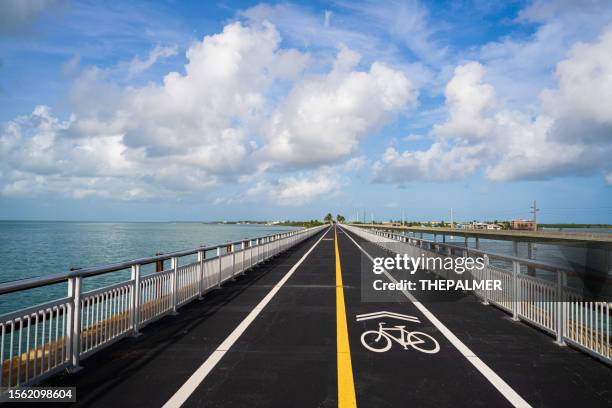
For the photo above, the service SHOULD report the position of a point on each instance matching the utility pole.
(452, 223)
(535, 210)
(402, 218)
(372, 217)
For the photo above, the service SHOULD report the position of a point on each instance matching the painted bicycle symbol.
(381, 340)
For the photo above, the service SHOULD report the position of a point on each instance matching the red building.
(522, 225)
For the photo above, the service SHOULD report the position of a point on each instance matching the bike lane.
(541, 372)
(401, 377)
(287, 356)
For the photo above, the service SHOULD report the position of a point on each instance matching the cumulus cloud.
(520, 66)
(468, 100)
(291, 190)
(40, 156)
(569, 135)
(324, 118)
(297, 190)
(438, 163)
(244, 106)
(180, 135)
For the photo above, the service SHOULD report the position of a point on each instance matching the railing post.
(74, 291)
(135, 300)
(219, 262)
(560, 308)
(257, 241)
(201, 258)
(252, 254)
(464, 254)
(516, 270)
(244, 248)
(485, 298)
(174, 265)
(232, 248)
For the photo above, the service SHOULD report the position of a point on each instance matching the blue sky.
(197, 110)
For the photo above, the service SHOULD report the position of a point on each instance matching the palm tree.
(328, 218)
(340, 218)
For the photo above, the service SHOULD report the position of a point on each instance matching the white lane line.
(196, 378)
(512, 396)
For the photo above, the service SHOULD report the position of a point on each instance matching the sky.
(189, 110)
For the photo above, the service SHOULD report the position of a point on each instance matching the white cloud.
(585, 82)
(324, 117)
(297, 190)
(438, 163)
(182, 135)
(137, 65)
(519, 66)
(355, 164)
(243, 107)
(468, 100)
(571, 133)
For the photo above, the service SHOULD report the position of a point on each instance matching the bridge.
(284, 321)
(508, 235)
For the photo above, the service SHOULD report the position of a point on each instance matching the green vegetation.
(305, 224)
(328, 218)
(340, 218)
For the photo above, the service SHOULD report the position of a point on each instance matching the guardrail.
(39, 341)
(550, 305)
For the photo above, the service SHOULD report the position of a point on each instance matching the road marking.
(346, 385)
(381, 340)
(512, 396)
(378, 315)
(200, 374)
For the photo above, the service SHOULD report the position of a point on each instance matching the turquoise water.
(36, 248)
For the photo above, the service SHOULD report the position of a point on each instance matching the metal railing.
(41, 340)
(550, 305)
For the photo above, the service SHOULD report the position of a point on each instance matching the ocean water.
(35, 248)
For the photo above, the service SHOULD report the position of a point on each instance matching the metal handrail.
(492, 255)
(30, 283)
(44, 339)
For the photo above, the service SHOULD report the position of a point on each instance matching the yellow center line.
(346, 386)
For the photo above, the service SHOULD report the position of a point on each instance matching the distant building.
(522, 225)
(479, 225)
(476, 225)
